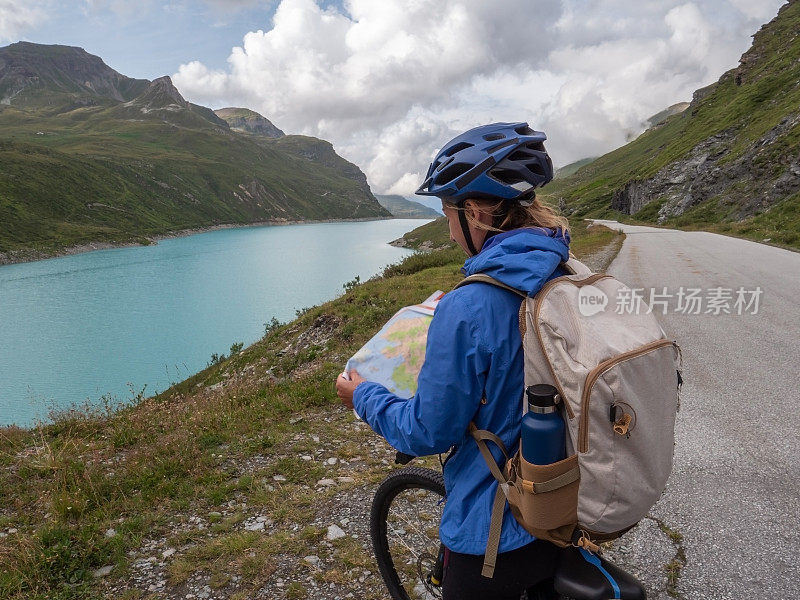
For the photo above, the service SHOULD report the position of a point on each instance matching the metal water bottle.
(543, 434)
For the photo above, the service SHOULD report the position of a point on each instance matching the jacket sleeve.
(450, 387)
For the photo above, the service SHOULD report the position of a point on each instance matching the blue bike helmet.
(501, 161)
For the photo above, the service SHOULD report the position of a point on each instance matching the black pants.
(515, 572)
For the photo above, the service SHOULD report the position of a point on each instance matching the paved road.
(734, 494)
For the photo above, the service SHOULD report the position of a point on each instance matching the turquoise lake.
(77, 328)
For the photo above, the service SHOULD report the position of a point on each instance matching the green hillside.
(661, 117)
(138, 160)
(572, 168)
(168, 492)
(729, 163)
(404, 208)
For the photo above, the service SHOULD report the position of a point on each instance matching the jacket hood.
(523, 258)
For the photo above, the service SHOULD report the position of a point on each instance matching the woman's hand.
(345, 387)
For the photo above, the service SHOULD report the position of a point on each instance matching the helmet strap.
(462, 219)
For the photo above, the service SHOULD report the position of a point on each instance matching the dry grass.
(110, 487)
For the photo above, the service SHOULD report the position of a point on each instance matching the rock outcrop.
(749, 184)
(161, 93)
(65, 74)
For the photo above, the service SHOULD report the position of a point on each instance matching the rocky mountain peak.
(249, 121)
(30, 71)
(161, 93)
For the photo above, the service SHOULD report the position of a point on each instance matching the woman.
(473, 369)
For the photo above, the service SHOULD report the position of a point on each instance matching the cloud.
(388, 82)
(757, 11)
(621, 78)
(19, 16)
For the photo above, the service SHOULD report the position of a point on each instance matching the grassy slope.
(434, 233)
(209, 449)
(96, 175)
(770, 92)
(572, 168)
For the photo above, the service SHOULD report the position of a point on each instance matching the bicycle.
(404, 527)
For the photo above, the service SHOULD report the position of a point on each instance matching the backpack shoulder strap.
(572, 266)
(483, 278)
(481, 436)
(575, 267)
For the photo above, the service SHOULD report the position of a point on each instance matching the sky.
(388, 82)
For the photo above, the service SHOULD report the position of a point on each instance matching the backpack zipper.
(591, 378)
(537, 307)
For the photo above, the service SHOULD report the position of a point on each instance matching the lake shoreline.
(14, 257)
(82, 329)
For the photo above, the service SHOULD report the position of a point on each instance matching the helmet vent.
(490, 137)
(535, 167)
(524, 130)
(506, 176)
(452, 172)
(444, 163)
(520, 155)
(458, 148)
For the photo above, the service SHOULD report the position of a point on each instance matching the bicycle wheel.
(404, 525)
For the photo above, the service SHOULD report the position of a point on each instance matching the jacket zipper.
(591, 378)
(537, 307)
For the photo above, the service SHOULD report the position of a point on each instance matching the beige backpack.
(618, 378)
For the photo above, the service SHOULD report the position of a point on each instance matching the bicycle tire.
(425, 487)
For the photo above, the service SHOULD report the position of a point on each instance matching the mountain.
(404, 208)
(60, 77)
(161, 99)
(431, 202)
(661, 117)
(730, 162)
(320, 152)
(89, 155)
(248, 121)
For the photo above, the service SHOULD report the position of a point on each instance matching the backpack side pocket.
(544, 498)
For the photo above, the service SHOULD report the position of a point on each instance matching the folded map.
(394, 356)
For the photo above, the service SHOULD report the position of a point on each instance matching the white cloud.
(757, 11)
(387, 82)
(19, 16)
(620, 79)
(402, 144)
(213, 83)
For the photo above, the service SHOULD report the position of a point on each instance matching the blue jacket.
(473, 350)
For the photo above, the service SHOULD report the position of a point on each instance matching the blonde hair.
(512, 215)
